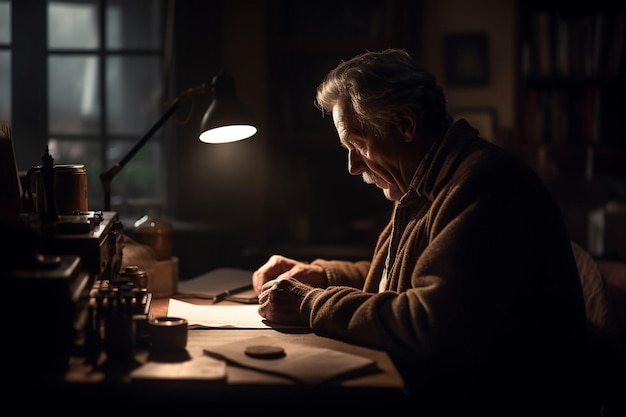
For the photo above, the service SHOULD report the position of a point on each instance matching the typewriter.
(63, 296)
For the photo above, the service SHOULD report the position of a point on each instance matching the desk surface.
(387, 378)
(244, 387)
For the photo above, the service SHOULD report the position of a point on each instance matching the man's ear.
(407, 126)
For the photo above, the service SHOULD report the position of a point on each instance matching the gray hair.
(377, 88)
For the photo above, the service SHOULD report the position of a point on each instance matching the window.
(105, 89)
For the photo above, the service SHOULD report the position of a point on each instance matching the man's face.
(380, 161)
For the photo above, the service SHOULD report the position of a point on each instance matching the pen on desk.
(219, 297)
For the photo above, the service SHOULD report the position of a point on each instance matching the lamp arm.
(107, 176)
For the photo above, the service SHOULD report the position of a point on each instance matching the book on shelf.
(562, 44)
(564, 117)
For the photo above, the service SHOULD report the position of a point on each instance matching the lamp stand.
(107, 176)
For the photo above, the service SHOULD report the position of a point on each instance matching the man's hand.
(280, 300)
(277, 265)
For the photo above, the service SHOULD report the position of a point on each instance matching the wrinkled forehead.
(337, 113)
(339, 119)
(342, 122)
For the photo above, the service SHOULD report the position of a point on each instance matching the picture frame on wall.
(466, 57)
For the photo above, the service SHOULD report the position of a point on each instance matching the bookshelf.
(571, 93)
(571, 83)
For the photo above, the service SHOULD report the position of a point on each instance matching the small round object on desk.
(265, 351)
(133, 274)
(168, 333)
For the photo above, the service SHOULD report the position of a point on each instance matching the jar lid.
(70, 167)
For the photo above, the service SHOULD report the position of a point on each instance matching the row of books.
(581, 116)
(562, 44)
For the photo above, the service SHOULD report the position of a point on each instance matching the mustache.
(369, 177)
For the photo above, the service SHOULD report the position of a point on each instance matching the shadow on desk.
(107, 389)
(159, 397)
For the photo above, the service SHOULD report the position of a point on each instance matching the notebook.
(304, 364)
(238, 282)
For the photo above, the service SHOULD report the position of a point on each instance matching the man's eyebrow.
(345, 142)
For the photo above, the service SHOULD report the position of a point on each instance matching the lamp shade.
(226, 119)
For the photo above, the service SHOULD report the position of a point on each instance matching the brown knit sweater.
(483, 299)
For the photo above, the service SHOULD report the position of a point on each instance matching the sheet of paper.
(241, 316)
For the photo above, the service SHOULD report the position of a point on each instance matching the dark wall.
(218, 192)
(210, 183)
(274, 190)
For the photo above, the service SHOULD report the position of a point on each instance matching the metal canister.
(135, 275)
(71, 189)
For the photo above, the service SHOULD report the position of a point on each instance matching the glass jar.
(156, 232)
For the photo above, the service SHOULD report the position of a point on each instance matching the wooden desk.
(245, 390)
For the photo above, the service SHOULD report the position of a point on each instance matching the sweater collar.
(442, 153)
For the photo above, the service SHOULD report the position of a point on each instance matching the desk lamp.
(226, 120)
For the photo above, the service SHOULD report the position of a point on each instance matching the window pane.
(71, 151)
(73, 94)
(73, 24)
(133, 94)
(133, 24)
(5, 85)
(5, 21)
(142, 177)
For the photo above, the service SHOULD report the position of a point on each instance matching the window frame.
(29, 99)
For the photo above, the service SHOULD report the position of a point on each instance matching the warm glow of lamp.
(226, 134)
(226, 120)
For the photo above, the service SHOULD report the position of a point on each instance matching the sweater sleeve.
(338, 274)
(351, 274)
